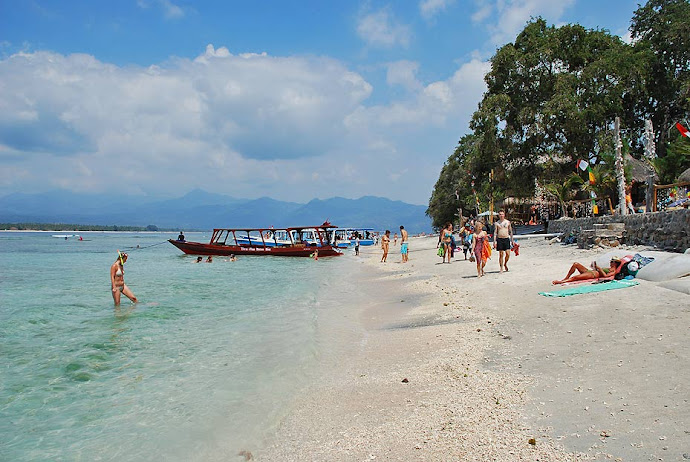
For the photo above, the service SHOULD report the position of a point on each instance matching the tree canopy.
(552, 96)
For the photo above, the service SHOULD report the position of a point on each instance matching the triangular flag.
(683, 131)
(583, 164)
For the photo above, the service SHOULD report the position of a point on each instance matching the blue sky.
(292, 100)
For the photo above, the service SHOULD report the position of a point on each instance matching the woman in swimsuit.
(595, 272)
(447, 238)
(478, 239)
(117, 280)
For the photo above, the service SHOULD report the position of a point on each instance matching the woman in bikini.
(117, 279)
(447, 238)
(478, 239)
(585, 273)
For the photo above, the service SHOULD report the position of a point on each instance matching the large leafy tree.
(551, 99)
(550, 94)
(661, 31)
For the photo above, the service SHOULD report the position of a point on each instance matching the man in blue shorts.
(403, 243)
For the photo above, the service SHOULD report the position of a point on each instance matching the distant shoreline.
(67, 227)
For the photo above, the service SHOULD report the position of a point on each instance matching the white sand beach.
(446, 366)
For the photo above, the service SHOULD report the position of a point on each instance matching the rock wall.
(668, 230)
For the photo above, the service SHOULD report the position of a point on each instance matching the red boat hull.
(198, 248)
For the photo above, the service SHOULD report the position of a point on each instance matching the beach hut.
(639, 170)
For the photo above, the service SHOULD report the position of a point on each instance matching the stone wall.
(668, 230)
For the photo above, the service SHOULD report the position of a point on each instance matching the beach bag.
(441, 252)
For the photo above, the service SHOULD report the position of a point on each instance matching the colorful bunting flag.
(583, 164)
(683, 131)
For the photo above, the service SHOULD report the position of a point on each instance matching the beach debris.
(532, 441)
(405, 380)
(605, 434)
(246, 454)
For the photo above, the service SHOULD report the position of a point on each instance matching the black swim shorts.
(503, 243)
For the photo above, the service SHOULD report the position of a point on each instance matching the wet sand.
(445, 366)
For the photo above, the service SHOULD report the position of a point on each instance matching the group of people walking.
(475, 240)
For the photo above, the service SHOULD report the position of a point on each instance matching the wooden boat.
(299, 241)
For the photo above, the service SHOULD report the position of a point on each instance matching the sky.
(292, 100)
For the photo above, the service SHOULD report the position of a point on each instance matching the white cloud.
(170, 10)
(403, 73)
(247, 125)
(512, 15)
(430, 8)
(380, 29)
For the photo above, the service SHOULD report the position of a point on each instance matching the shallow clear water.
(200, 368)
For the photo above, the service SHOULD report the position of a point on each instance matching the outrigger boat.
(345, 237)
(286, 242)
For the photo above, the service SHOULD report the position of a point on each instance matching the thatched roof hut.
(639, 170)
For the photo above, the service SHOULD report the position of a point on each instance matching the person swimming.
(117, 279)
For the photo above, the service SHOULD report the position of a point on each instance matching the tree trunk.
(620, 172)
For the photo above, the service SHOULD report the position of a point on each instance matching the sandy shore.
(446, 366)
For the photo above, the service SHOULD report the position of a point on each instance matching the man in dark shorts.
(503, 240)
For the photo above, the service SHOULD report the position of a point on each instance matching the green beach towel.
(587, 289)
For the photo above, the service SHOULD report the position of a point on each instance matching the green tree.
(661, 30)
(550, 94)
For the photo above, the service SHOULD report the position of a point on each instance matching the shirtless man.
(385, 243)
(503, 240)
(403, 243)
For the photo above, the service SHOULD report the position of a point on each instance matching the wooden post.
(650, 154)
(620, 172)
(491, 201)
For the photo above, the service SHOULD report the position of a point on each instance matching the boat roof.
(325, 225)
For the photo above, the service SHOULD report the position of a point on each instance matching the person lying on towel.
(595, 272)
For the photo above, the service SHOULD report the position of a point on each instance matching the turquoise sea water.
(199, 369)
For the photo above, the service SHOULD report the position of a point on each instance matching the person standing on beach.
(117, 279)
(395, 239)
(478, 239)
(445, 239)
(356, 243)
(385, 242)
(403, 243)
(503, 239)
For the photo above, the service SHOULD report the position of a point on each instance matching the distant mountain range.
(202, 210)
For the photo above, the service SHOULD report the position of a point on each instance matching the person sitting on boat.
(180, 238)
(595, 272)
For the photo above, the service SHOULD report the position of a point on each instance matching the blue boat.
(345, 237)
